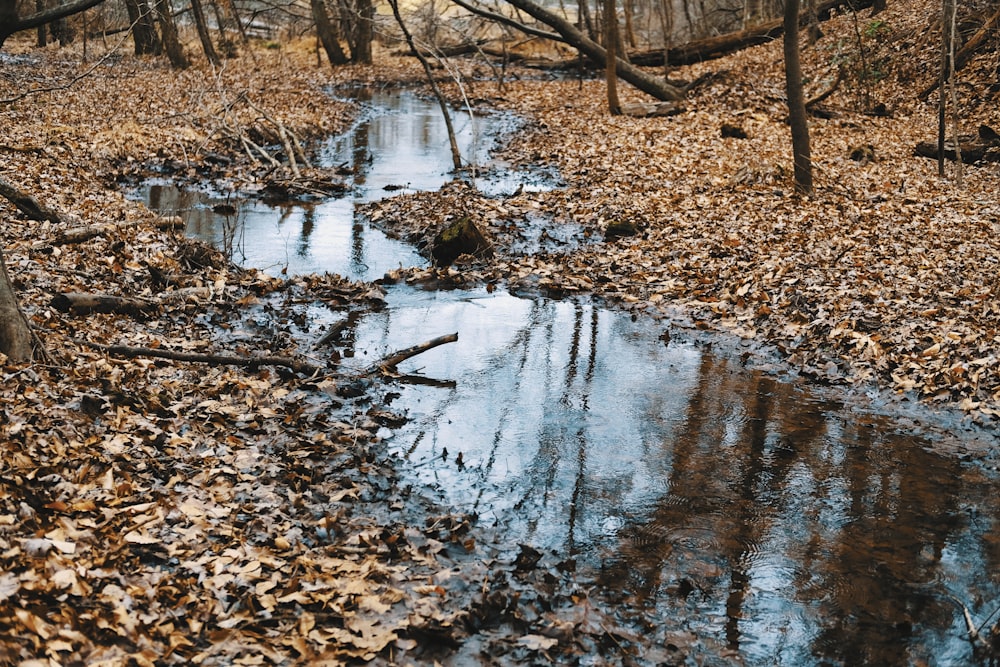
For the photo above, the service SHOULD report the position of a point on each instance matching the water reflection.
(399, 144)
(788, 528)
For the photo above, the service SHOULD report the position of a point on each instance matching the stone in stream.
(461, 237)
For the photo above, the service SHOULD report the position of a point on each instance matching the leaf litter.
(165, 513)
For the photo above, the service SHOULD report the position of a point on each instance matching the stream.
(783, 522)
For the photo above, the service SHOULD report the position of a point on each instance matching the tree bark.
(11, 22)
(15, 335)
(645, 82)
(797, 117)
(42, 36)
(80, 303)
(26, 203)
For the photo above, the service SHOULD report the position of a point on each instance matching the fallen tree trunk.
(302, 367)
(644, 81)
(81, 303)
(718, 46)
(81, 234)
(971, 151)
(964, 54)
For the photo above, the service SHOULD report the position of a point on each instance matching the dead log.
(81, 303)
(389, 362)
(652, 109)
(710, 48)
(644, 81)
(972, 150)
(129, 352)
(26, 203)
(81, 234)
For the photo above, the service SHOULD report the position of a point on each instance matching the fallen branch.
(819, 97)
(303, 367)
(391, 361)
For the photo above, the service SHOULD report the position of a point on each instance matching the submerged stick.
(390, 361)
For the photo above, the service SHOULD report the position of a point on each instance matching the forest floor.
(161, 512)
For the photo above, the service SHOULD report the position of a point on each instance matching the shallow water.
(784, 525)
(781, 523)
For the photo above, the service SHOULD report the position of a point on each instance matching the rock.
(461, 237)
(733, 131)
(616, 229)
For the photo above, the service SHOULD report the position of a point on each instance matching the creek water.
(782, 523)
(398, 144)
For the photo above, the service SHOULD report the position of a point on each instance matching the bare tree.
(147, 41)
(364, 30)
(797, 117)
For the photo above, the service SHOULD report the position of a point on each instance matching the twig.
(302, 367)
(390, 361)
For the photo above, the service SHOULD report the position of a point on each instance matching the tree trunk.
(585, 22)
(363, 32)
(203, 34)
(42, 36)
(796, 101)
(171, 43)
(611, 45)
(62, 31)
(147, 42)
(15, 336)
(942, 77)
(647, 83)
(327, 33)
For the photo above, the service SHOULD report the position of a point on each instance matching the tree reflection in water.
(782, 527)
